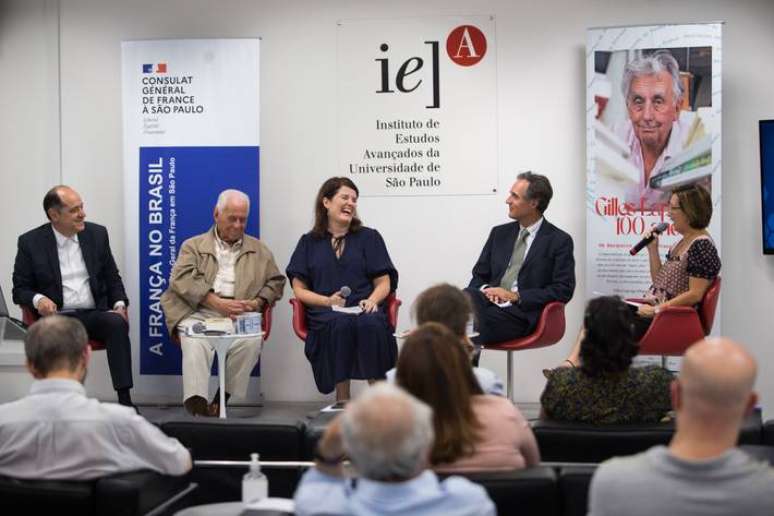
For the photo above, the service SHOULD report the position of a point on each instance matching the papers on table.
(272, 504)
(335, 407)
(354, 310)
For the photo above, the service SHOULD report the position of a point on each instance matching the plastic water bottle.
(255, 485)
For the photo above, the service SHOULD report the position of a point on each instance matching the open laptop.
(10, 328)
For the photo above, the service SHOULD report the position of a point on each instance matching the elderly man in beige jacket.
(220, 273)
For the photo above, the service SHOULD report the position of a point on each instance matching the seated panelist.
(66, 267)
(524, 265)
(690, 265)
(340, 252)
(220, 273)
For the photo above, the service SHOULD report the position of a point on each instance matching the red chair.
(299, 314)
(29, 316)
(265, 325)
(675, 328)
(549, 331)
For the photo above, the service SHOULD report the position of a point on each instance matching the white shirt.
(642, 191)
(489, 382)
(226, 254)
(56, 432)
(76, 291)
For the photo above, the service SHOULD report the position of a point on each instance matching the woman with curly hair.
(603, 388)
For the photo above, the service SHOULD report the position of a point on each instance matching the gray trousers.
(198, 355)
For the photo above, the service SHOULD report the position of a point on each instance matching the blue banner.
(178, 188)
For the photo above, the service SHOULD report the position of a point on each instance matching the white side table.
(221, 344)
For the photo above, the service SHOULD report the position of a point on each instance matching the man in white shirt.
(56, 432)
(67, 267)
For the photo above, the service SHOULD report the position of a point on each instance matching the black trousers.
(113, 330)
(495, 324)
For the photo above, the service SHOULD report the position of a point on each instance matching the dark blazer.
(547, 274)
(36, 269)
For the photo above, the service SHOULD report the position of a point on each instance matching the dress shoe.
(196, 406)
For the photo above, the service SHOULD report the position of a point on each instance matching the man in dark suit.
(524, 265)
(67, 267)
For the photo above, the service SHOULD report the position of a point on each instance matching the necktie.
(517, 258)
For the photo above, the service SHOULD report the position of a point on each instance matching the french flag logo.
(160, 68)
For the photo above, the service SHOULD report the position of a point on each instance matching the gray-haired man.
(653, 94)
(387, 435)
(220, 273)
(56, 432)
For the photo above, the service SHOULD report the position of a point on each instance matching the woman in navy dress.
(340, 252)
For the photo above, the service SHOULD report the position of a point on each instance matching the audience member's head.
(57, 346)
(434, 366)
(448, 305)
(387, 434)
(608, 344)
(716, 382)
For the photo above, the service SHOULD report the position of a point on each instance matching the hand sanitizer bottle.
(255, 485)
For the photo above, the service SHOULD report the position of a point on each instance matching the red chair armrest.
(672, 331)
(29, 315)
(299, 318)
(299, 315)
(266, 321)
(393, 305)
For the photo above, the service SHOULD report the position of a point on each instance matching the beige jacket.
(193, 275)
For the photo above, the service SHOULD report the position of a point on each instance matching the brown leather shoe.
(213, 409)
(196, 406)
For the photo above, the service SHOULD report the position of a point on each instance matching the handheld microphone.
(648, 239)
(344, 292)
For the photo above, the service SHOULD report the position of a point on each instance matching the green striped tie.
(517, 258)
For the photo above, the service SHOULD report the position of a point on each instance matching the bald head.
(387, 433)
(717, 377)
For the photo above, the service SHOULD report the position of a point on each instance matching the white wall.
(541, 111)
(29, 136)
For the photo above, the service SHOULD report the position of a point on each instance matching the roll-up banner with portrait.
(191, 130)
(417, 105)
(653, 107)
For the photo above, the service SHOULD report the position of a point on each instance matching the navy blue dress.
(344, 346)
